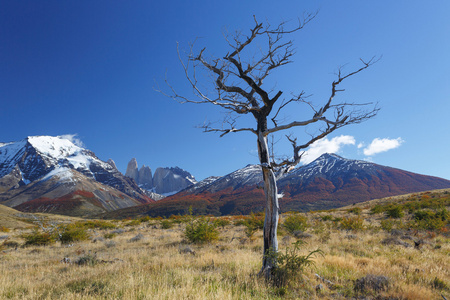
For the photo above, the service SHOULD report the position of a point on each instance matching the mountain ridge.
(53, 167)
(328, 182)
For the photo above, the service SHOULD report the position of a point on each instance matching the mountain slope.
(328, 182)
(52, 168)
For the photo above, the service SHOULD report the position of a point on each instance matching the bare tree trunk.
(272, 208)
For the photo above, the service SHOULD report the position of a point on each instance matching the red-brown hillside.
(328, 182)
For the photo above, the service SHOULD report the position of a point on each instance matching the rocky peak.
(132, 170)
(37, 158)
(145, 177)
(111, 163)
(171, 180)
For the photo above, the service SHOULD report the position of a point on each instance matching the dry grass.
(161, 265)
(11, 218)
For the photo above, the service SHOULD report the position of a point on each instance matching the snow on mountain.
(63, 174)
(201, 184)
(249, 175)
(38, 155)
(330, 166)
(38, 164)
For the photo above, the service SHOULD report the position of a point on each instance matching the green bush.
(443, 214)
(423, 215)
(352, 223)
(222, 222)
(71, 233)
(395, 212)
(166, 224)
(109, 235)
(429, 220)
(95, 224)
(134, 222)
(295, 223)
(37, 238)
(252, 223)
(377, 209)
(355, 210)
(289, 265)
(327, 218)
(201, 230)
(389, 224)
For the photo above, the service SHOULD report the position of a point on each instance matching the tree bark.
(272, 208)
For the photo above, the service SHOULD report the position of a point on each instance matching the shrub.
(222, 222)
(443, 214)
(89, 260)
(37, 238)
(4, 229)
(72, 233)
(377, 209)
(94, 224)
(423, 215)
(387, 225)
(201, 230)
(289, 265)
(327, 218)
(134, 222)
(177, 219)
(144, 219)
(395, 211)
(355, 223)
(355, 210)
(166, 224)
(109, 235)
(295, 223)
(252, 223)
(426, 219)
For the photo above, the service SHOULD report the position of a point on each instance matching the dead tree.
(237, 87)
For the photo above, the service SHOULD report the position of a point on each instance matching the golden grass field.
(161, 264)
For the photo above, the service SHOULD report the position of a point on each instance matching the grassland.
(151, 258)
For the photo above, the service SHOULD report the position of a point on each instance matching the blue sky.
(89, 67)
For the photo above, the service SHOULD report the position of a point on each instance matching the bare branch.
(227, 122)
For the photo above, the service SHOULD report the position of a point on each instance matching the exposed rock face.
(12, 180)
(45, 173)
(145, 177)
(111, 163)
(171, 180)
(132, 170)
(164, 181)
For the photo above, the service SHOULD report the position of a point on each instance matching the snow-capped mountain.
(247, 176)
(52, 167)
(332, 166)
(328, 182)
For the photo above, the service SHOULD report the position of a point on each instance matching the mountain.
(165, 181)
(51, 174)
(143, 177)
(171, 180)
(328, 182)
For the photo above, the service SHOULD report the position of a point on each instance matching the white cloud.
(381, 145)
(73, 138)
(327, 146)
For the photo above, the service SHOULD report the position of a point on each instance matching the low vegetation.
(395, 248)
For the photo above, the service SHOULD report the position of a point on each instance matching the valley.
(367, 252)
